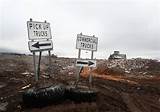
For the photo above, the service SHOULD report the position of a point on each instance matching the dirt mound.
(102, 70)
(132, 66)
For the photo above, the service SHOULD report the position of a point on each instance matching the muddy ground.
(116, 92)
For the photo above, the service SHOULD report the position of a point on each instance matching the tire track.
(129, 102)
(127, 97)
(111, 98)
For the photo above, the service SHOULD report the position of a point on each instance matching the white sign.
(86, 63)
(86, 42)
(40, 45)
(38, 30)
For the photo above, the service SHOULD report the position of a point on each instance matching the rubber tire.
(44, 96)
(79, 95)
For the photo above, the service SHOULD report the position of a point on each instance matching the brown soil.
(116, 92)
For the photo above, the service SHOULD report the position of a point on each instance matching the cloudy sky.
(130, 26)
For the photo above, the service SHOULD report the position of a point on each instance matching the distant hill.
(5, 51)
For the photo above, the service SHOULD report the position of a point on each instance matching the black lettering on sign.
(34, 33)
(46, 33)
(45, 26)
(82, 38)
(39, 26)
(30, 25)
(82, 44)
(91, 46)
(79, 38)
(87, 40)
(36, 27)
(37, 33)
(86, 45)
(40, 33)
(95, 41)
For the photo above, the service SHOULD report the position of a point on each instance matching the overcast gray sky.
(130, 26)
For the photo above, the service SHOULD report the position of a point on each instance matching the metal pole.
(39, 62)
(92, 54)
(78, 74)
(79, 56)
(90, 76)
(35, 71)
(79, 53)
(49, 52)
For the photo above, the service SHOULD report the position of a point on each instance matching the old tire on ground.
(80, 95)
(44, 96)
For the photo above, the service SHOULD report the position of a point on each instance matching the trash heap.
(130, 66)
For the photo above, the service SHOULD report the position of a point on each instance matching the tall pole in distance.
(49, 59)
(39, 63)
(78, 75)
(34, 62)
(49, 52)
(35, 69)
(90, 76)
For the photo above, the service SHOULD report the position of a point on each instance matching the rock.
(138, 88)
(70, 73)
(1, 98)
(3, 106)
(26, 73)
(27, 86)
(2, 85)
(127, 71)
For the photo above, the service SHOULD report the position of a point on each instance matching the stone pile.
(126, 66)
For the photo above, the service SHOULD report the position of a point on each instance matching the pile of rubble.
(138, 65)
